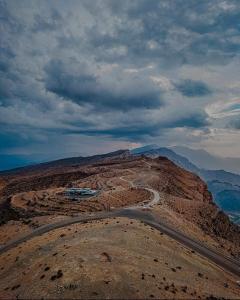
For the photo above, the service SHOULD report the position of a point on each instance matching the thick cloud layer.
(191, 88)
(116, 73)
(116, 90)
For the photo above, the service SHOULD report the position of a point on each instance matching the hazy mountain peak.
(203, 159)
(144, 148)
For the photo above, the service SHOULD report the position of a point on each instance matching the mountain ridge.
(76, 160)
(210, 176)
(203, 159)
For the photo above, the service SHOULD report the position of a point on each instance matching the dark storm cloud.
(112, 67)
(6, 55)
(133, 133)
(8, 22)
(195, 120)
(152, 129)
(121, 91)
(192, 88)
(52, 23)
(183, 31)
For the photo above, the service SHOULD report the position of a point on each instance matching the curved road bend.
(154, 201)
(222, 261)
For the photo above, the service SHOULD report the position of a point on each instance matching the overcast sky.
(84, 77)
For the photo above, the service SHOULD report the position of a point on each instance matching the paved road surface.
(133, 212)
(226, 263)
(150, 204)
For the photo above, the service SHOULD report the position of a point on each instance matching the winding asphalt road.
(224, 262)
(151, 203)
(146, 217)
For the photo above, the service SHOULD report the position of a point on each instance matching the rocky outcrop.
(189, 196)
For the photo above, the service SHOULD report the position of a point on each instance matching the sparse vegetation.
(57, 276)
(147, 261)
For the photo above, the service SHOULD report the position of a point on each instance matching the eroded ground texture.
(114, 257)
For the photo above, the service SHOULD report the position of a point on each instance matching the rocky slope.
(186, 192)
(135, 258)
(110, 259)
(224, 186)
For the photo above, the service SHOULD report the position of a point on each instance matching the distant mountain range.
(66, 162)
(224, 186)
(13, 161)
(205, 160)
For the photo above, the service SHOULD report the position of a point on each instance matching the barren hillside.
(138, 262)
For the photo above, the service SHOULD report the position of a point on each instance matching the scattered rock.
(184, 289)
(58, 275)
(16, 287)
(106, 257)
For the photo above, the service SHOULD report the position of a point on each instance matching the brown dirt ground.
(115, 258)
